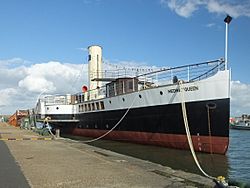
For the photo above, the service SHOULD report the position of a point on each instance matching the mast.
(227, 20)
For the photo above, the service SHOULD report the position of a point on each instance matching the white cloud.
(52, 77)
(182, 7)
(36, 84)
(21, 83)
(210, 25)
(186, 8)
(6, 99)
(235, 10)
(6, 95)
(240, 98)
(13, 62)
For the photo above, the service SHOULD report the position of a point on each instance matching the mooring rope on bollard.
(220, 181)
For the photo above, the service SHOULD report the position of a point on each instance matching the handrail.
(180, 67)
(222, 62)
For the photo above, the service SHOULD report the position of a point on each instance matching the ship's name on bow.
(190, 88)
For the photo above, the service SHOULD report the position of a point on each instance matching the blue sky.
(150, 32)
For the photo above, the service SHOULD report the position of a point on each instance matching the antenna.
(227, 20)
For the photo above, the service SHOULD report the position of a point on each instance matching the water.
(239, 155)
(234, 165)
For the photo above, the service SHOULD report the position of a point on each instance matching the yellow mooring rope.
(220, 179)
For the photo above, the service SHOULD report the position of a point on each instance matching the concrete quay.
(68, 163)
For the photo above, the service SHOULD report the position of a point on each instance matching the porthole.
(47, 108)
(57, 108)
(140, 96)
(87, 126)
(161, 93)
(95, 126)
(109, 102)
(107, 126)
(123, 99)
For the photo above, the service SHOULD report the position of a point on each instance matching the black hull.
(161, 125)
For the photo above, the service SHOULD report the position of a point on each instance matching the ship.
(147, 108)
(241, 125)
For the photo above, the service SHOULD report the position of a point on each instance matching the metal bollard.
(57, 133)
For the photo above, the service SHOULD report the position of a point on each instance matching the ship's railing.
(187, 73)
(57, 99)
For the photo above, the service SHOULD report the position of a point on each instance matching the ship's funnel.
(95, 67)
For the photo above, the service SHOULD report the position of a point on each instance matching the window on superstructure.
(86, 107)
(89, 57)
(130, 85)
(97, 106)
(89, 107)
(93, 106)
(102, 105)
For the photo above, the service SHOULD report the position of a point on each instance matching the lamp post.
(227, 20)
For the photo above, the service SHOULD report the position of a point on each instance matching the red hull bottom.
(205, 144)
